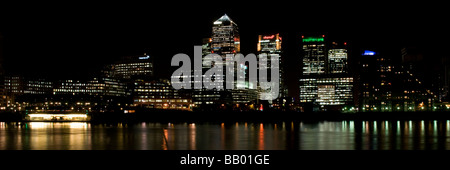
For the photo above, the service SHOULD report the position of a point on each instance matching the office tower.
(225, 39)
(313, 66)
(314, 55)
(326, 83)
(337, 61)
(132, 67)
(338, 79)
(386, 86)
(204, 99)
(206, 49)
(225, 36)
(271, 46)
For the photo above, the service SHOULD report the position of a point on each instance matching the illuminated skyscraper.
(225, 36)
(337, 61)
(314, 59)
(271, 45)
(326, 83)
(314, 55)
(226, 40)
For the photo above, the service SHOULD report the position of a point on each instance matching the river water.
(324, 135)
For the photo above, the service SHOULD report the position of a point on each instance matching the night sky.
(75, 40)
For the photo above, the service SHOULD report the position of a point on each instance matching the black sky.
(74, 40)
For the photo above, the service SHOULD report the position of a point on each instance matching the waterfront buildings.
(389, 87)
(138, 66)
(159, 94)
(270, 45)
(325, 83)
(225, 39)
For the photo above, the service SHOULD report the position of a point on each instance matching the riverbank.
(285, 116)
(219, 116)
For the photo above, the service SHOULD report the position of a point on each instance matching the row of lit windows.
(153, 86)
(162, 100)
(134, 64)
(77, 90)
(151, 90)
(133, 71)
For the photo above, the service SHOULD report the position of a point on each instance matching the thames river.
(322, 135)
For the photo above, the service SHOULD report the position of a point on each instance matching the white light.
(143, 58)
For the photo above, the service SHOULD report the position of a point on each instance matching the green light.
(313, 39)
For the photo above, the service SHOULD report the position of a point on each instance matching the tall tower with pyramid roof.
(225, 36)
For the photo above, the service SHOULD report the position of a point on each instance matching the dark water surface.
(325, 135)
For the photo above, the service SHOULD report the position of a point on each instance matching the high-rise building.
(225, 36)
(326, 83)
(386, 86)
(314, 59)
(225, 40)
(271, 46)
(337, 61)
(204, 99)
(314, 55)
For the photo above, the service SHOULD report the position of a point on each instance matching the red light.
(323, 36)
(234, 51)
(303, 36)
(268, 37)
(212, 52)
(345, 43)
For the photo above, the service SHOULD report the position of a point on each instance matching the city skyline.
(111, 80)
(391, 42)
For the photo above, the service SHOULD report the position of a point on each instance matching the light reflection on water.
(344, 135)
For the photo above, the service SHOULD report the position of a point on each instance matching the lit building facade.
(314, 55)
(333, 91)
(225, 40)
(132, 67)
(271, 46)
(95, 87)
(326, 83)
(337, 61)
(159, 94)
(225, 36)
(313, 66)
(389, 87)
